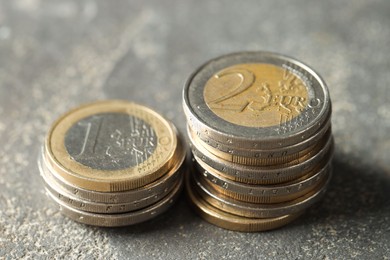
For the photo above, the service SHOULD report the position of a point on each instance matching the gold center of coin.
(256, 95)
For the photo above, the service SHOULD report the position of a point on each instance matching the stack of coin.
(112, 163)
(260, 133)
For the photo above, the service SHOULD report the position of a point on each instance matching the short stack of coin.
(112, 163)
(259, 126)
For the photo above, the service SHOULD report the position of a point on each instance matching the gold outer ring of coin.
(256, 161)
(252, 210)
(95, 207)
(256, 153)
(261, 175)
(160, 185)
(229, 221)
(120, 219)
(162, 159)
(263, 194)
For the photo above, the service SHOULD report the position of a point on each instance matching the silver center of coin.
(110, 141)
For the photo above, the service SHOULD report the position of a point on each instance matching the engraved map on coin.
(256, 95)
(110, 141)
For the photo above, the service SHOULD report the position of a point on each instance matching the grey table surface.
(55, 55)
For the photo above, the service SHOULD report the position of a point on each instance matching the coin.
(149, 190)
(255, 100)
(119, 219)
(256, 154)
(259, 128)
(230, 221)
(111, 146)
(266, 175)
(131, 204)
(256, 161)
(253, 210)
(263, 193)
(112, 163)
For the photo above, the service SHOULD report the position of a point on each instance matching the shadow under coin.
(357, 192)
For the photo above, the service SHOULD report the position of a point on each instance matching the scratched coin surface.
(111, 146)
(255, 100)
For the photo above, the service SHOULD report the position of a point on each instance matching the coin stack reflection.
(260, 133)
(112, 163)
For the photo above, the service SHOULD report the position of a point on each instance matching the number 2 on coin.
(246, 80)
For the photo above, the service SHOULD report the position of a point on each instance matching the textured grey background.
(55, 55)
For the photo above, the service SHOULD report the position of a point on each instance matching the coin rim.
(260, 175)
(247, 136)
(74, 201)
(263, 193)
(258, 153)
(256, 161)
(149, 189)
(120, 219)
(256, 210)
(86, 177)
(233, 222)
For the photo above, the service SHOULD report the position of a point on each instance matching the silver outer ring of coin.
(104, 208)
(284, 189)
(121, 219)
(252, 175)
(252, 210)
(210, 126)
(271, 161)
(151, 189)
(265, 175)
(274, 153)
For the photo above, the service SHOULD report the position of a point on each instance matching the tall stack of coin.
(260, 132)
(112, 163)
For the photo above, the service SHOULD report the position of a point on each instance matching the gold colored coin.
(256, 95)
(233, 222)
(112, 146)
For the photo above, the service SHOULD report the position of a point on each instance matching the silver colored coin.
(118, 141)
(106, 208)
(253, 210)
(272, 160)
(120, 219)
(211, 126)
(159, 186)
(268, 154)
(263, 193)
(262, 175)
